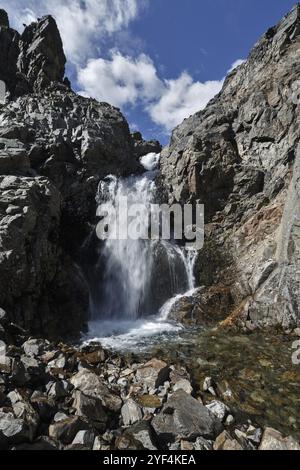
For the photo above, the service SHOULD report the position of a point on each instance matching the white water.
(120, 320)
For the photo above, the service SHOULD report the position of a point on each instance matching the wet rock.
(219, 409)
(57, 389)
(40, 444)
(131, 412)
(184, 417)
(153, 374)
(66, 430)
(90, 408)
(92, 385)
(274, 440)
(45, 407)
(225, 442)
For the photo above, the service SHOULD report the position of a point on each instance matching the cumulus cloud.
(82, 23)
(181, 98)
(123, 80)
(120, 80)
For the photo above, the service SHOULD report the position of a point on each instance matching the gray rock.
(185, 418)
(131, 412)
(240, 158)
(14, 430)
(66, 430)
(203, 444)
(226, 442)
(85, 439)
(90, 408)
(219, 409)
(93, 386)
(143, 433)
(185, 385)
(153, 374)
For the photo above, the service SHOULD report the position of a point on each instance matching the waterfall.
(138, 277)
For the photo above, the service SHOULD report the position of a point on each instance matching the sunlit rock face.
(240, 157)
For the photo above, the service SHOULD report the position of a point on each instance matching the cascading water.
(140, 279)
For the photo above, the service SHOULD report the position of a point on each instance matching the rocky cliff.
(55, 146)
(241, 158)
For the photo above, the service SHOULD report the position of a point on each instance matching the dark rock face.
(142, 147)
(32, 61)
(240, 158)
(55, 146)
(42, 59)
(4, 19)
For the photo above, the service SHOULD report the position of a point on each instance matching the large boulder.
(183, 417)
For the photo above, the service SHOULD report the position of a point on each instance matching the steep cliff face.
(240, 157)
(55, 146)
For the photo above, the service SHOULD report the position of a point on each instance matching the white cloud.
(82, 23)
(123, 80)
(181, 98)
(236, 64)
(120, 80)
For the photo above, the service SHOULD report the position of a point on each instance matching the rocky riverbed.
(58, 396)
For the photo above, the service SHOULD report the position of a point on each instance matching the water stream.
(140, 279)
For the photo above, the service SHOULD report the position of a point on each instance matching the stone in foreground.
(185, 418)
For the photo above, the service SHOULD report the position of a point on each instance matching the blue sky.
(158, 60)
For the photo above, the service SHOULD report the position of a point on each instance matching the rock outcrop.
(240, 157)
(55, 146)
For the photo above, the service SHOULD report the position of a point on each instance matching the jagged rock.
(84, 439)
(34, 347)
(185, 385)
(143, 433)
(73, 142)
(185, 418)
(42, 58)
(274, 440)
(143, 147)
(23, 410)
(240, 158)
(90, 408)
(225, 442)
(203, 444)
(131, 412)
(14, 430)
(93, 386)
(153, 374)
(219, 409)
(66, 430)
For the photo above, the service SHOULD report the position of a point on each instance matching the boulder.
(274, 440)
(90, 408)
(131, 412)
(186, 418)
(93, 386)
(225, 442)
(142, 432)
(13, 430)
(153, 374)
(66, 430)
